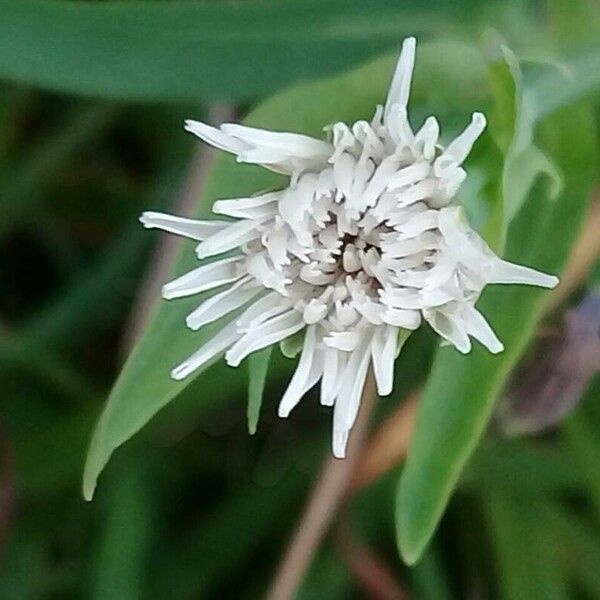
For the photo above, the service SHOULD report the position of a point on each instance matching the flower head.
(365, 242)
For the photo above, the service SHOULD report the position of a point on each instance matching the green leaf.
(291, 347)
(580, 434)
(513, 127)
(191, 51)
(144, 386)
(526, 546)
(75, 131)
(118, 568)
(459, 397)
(215, 547)
(579, 545)
(579, 79)
(258, 363)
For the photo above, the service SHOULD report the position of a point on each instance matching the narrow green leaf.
(580, 435)
(553, 89)
(258, 364)
(459, 397)
(579, 546)
(216, 546)
(521, 465)
(76, 129)
(513, 127)
(191, 51)
(526, 547)
(328, 577)
(118, 567)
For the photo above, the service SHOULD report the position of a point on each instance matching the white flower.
(365, 242)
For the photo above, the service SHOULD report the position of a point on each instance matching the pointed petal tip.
(384, 390)
(478, 118)
(409, 44)
(497, 349)
(198, 128)
(180, 372)
(231, 362)
(340, 441)
(512, 273)
(170, 293)
(189, 124)
(191, 323)
(148, 217)
(339, 452)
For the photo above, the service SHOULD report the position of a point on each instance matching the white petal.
(190, 228)
(268, 333)
(285, 144)
(343, 140)
(269, 306)
(460, 147)
(262, 270)
(383, 351)
(348, 399)
(343, 174)
(223, 303)
(405, 247)
(256, 207)
(296, 203)
(316, 371)
(480, 329)
(422, 190)
(206, 277)
(426, 138)
(462, 242)
(416, 225)
(334, 363)
(314, 311)
(406, 298)
(502, 271)
(400, 86)
(298, 383)
(399, 128)
(343, 340)
(233, 236)
(276, 242)
(380, 181)
(409, 175)
(449, 328)
(215, 137)
(398, 317)
(339, 442)
(216, 345)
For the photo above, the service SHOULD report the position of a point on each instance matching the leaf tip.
(409, 553)
(90, 478)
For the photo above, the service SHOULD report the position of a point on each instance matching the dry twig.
(322, 505)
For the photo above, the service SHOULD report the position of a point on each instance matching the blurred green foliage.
(92, 97)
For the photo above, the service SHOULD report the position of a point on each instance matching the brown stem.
(373, 575)
(584, 255)
(388, 445)
(327, 495)
(8, 491)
